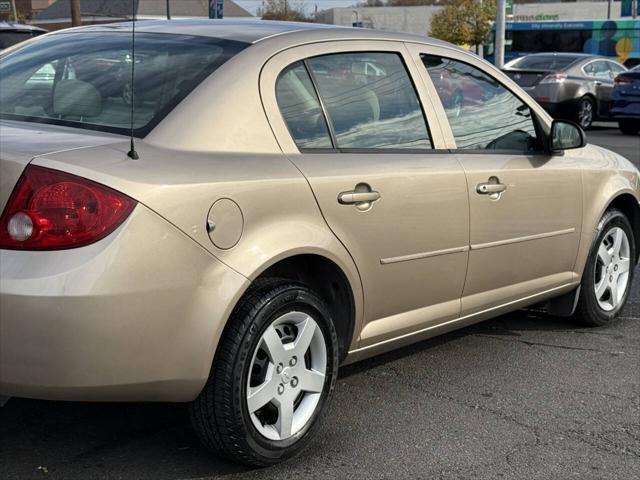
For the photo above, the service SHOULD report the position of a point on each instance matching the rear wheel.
(272, 377)
(629, 127)
(585, 112)
(609, 272)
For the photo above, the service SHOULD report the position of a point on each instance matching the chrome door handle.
(349, 198)
(362, 197)
(597, 83)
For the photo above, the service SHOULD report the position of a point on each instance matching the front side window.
(483, 114)
(368, 98)
(84, 79)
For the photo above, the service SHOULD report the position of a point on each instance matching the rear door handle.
(362, 197)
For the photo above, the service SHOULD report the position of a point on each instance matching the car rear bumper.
(133, 317)
(626, 108)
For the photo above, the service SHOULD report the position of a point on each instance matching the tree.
(76, 16)
(283, 10)
(464, 22)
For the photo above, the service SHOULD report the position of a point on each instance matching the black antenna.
(132, 154)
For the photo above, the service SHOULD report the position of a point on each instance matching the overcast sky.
(253, 5)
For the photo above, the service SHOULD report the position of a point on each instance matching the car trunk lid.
(628, 83)
(20, 142)
(527, 78)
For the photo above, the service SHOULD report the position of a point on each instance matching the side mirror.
(566, 135)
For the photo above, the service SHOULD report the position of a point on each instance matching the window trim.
(329, 121)
(537, 124)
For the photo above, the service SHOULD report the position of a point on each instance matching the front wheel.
(609, 272)
(585, 112)
(272, 378)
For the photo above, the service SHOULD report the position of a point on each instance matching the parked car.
(568, 85)
(625, 101)
(278, 211)
(14, 33)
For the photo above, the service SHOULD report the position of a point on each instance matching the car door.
(350, 117)
(525, 205)
(599, 72)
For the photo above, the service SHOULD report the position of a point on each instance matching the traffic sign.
(5, 7)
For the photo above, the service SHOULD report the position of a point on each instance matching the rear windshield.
(551, 63)
(84, 79)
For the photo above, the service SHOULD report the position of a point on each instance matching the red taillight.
(623, 81)
(52, 210)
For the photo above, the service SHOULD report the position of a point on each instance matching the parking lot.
(522, 396)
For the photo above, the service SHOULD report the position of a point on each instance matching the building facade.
(58, 14)
(418, 19)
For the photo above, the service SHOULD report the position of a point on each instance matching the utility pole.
(500, 28)
(15, 12)
(76, 17)
(609, 4)
(168, 10)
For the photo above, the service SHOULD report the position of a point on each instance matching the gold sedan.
(225, 215)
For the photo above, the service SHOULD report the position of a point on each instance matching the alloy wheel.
(287, 376)
(585, 113)
(612, 269)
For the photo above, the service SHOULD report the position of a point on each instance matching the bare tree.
(284, 10)
(76, 17)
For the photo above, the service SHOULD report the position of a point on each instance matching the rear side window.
(483, 114)
(301, 109)
(369, 99)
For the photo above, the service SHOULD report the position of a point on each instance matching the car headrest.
(75, 98)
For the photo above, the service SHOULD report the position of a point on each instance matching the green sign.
(5, 7)
(509, 7)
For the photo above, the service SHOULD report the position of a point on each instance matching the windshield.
(552, 63)
(84, 79)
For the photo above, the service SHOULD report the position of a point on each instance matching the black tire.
(629, 127)
(588, 311)
(220, 415)
(585, 102)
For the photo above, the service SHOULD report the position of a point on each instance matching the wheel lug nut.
(294, 382)
(611, 278)
(293, 361)
(279, 368)
(280, 389)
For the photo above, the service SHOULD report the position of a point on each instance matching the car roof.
(251, 31)
(4, 25)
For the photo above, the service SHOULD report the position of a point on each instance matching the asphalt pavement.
(523, 396)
